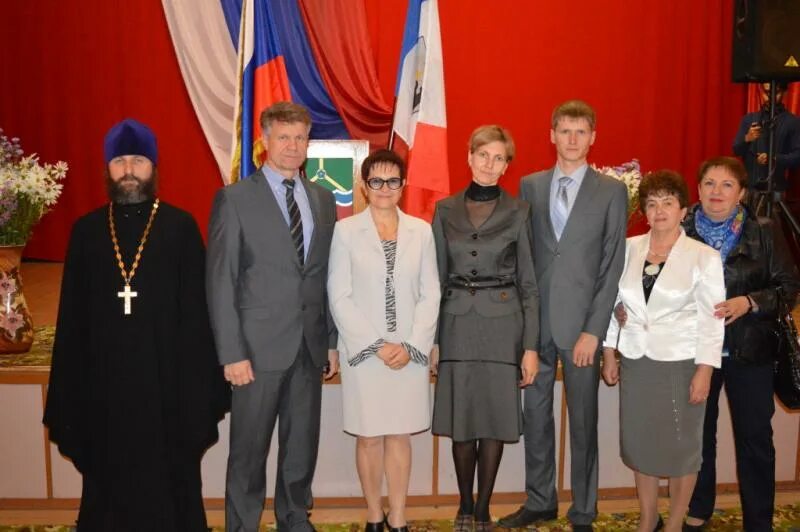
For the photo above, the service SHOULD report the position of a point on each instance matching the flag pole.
(391, 127)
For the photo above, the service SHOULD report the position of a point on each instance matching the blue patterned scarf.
(722, 236)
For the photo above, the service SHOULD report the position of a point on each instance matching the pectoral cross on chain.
(127, 295)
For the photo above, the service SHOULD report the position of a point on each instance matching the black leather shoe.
(391, 528)
(694, 528)
(582, 528)
(374, 527)
(524, 517)
(659, 524)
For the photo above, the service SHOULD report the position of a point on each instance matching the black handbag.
(787, 359)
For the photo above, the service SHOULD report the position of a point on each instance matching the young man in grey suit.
(579, 222)
(267, 267)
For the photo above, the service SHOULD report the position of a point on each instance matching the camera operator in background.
(752, 142)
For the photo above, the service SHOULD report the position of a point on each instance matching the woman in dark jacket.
(488, 325)
(757, 267)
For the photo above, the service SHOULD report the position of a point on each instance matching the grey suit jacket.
(500, 247)
(262, 302)
(578, 275)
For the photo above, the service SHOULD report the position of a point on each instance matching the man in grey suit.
(579, 223)
(267, 267)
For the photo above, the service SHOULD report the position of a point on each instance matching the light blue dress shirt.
(572, 191)
(275, 182)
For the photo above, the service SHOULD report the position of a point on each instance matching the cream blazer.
(357, 277)
(677, 322)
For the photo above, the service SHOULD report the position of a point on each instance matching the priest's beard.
(124, 192)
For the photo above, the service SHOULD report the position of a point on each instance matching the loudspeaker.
(766, 40)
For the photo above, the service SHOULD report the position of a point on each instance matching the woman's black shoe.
(374, 527)
(694, 528)
(391, 528)
(659, 524)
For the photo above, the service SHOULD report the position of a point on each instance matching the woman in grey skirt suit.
(670, 343)
(488, 326)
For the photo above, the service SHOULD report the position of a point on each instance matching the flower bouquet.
(28, 189)
(630, 174)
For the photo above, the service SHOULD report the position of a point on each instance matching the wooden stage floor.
(349, 515)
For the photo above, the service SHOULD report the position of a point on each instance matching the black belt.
(478, 284)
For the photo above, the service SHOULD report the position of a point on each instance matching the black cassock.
(134, 400)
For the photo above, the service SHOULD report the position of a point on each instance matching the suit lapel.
(634, 274)
(542, 187)
(267, 201)
(405, 233)
(460, 218)
(671, 271)
(583, 200)
(368, 230)
(314, 202)
(502, 210)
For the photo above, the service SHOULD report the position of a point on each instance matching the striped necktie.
(561, 207)
(295, 220)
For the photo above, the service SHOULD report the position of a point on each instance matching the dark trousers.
(294, 397)
(580, 385)
(749, 391)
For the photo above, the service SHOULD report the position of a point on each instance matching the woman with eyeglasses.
(488, 325)
(384, 296)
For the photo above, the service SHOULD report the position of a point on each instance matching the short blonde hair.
(574, 109)
(287, 112)
(492, 133)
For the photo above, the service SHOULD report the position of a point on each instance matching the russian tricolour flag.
(420, 124)
(262, 81)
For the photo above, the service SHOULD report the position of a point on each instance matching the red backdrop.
(658, 74)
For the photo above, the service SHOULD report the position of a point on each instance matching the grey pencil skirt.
(661, 434)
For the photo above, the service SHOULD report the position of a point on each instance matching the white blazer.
(356, 284)
(677, 322)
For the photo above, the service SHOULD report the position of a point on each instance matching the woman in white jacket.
(670, 343)
(384, 293)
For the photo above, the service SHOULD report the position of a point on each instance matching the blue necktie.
(561, 207)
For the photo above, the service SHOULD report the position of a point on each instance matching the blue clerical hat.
(130, 137)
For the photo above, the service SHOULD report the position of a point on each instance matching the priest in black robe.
(135, 391)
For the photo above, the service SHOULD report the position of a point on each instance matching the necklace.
(126, 294)
(663, 255)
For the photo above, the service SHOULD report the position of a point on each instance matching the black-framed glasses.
(376, 183)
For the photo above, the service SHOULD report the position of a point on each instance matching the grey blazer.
(578, 275)
(500, 247)
(262, 302)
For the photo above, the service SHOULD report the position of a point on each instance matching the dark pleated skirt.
(477, 400)
(477, 392)
(661, 434)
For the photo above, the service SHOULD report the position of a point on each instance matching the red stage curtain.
(658, 74)
(337, 32)
(791, 99)
(68, 73)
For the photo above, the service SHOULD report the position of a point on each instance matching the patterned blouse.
(390, 253)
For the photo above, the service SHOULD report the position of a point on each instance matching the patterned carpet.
(38, 356)
(787, 519)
